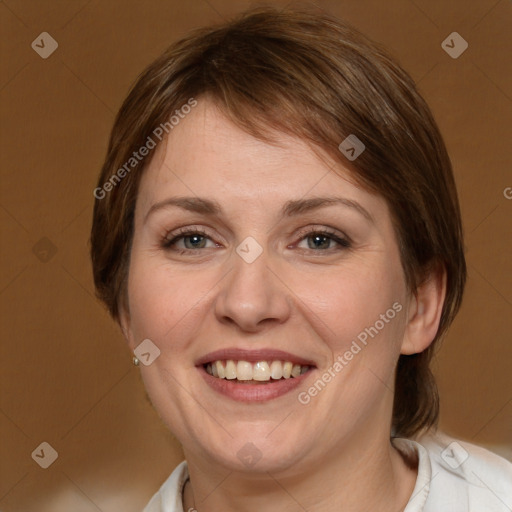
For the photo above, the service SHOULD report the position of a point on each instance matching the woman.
(277, 232)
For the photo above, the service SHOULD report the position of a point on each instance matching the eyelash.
(167, 243)
(343, 242)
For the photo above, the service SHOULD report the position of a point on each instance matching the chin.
(250, 451)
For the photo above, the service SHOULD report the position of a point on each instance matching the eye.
(193, 239)
(324, 240)
(187, 240)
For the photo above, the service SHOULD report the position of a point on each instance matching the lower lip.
(253, 392)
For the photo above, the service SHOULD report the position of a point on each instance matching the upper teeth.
(261, 370)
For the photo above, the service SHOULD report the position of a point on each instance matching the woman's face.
(251, 271)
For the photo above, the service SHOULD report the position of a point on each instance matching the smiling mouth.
(260, 372)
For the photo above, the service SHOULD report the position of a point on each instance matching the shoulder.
(458, 476)
(169, 497)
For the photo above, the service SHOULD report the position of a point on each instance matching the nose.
(252, 296)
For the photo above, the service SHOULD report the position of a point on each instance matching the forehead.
(207, 154)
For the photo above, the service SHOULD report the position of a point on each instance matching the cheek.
(165, 302)
(364, 304)
(360, 318)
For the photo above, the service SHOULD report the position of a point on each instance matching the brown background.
(66, 375)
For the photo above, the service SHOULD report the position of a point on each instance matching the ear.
(124, 321)
(424, 312)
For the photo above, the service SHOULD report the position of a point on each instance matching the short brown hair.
(314, 77)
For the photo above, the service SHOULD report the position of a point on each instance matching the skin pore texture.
(306, 294)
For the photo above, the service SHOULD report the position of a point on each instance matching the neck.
(361, 475)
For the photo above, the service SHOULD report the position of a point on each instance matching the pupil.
(195, 240)
(320, 238)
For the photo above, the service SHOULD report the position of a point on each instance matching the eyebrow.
(291, 208)
(299, 206)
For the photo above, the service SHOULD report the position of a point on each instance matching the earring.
(135, 361)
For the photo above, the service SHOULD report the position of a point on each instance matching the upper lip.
(252, 356)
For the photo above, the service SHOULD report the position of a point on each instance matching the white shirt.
(453, 476)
